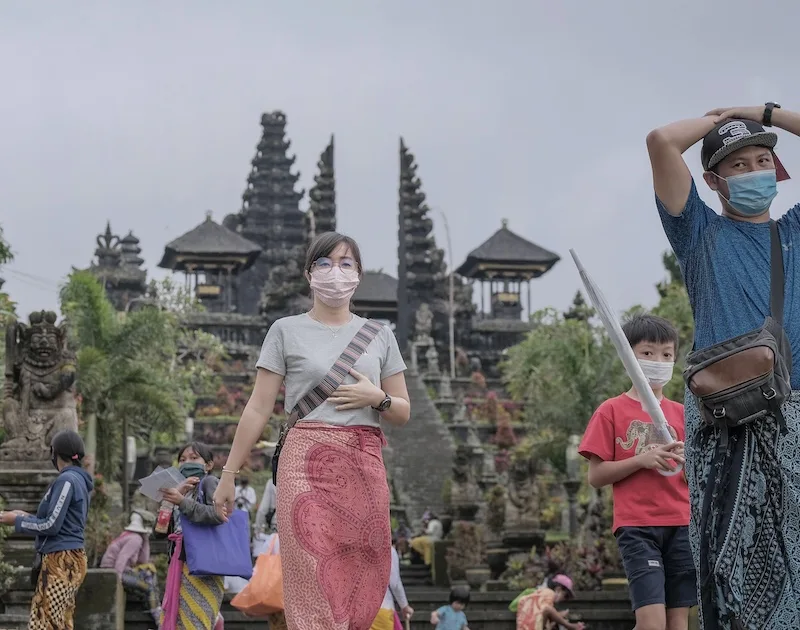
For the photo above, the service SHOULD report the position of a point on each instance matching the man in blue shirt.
(754, 580)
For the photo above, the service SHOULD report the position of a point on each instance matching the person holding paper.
(198, 598)
(726, 263)
(651, 510)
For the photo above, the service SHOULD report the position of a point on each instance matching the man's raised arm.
(671, 177)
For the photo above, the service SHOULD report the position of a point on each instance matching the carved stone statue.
(523, 494)
(445, 388)
(38, 397)
(424, 324)
(432, 359)
(465, 488)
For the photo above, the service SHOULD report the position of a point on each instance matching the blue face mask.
(752, 193)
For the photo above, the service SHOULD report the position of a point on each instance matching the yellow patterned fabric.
(53, 603)
(384, 620)
(200, 600)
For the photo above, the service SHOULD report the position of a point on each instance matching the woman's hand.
(363, 393)
(8, 518)
(224, 494)
(407, 612)
(754, 113)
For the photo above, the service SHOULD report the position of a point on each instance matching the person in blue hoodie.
(59, 524)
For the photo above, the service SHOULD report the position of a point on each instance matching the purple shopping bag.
(219, 549)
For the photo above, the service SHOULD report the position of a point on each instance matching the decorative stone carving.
(445, 388)
(432, 360)
(465, 489)
(523, 494)
(424, 324)
(38, 397)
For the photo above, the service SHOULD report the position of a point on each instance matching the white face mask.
(658, 373)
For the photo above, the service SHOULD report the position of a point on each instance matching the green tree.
(128, 366)
(562, 371)
(674, 306)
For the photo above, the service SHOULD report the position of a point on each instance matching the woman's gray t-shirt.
(303, 350)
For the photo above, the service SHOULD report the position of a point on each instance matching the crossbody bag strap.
(336, 375)
(777, 280)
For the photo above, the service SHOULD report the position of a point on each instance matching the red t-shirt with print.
(621, 429)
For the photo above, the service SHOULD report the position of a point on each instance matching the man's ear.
(712, 180)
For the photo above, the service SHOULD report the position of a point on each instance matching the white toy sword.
(649, 401)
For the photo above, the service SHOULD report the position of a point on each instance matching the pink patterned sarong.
(333, 520)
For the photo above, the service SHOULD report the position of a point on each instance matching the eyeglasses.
(326, 264)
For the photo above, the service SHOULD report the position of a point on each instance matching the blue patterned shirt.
(726, 267)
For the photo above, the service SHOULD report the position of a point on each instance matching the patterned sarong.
(746, 544)
(53, 603)
(143, 579)
(191, 602)
(333, 520)
(531, 607)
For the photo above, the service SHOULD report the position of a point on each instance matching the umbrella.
(649, 401)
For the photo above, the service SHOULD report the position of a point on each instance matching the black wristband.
(767, 118)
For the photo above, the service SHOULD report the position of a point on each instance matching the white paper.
(151, 485)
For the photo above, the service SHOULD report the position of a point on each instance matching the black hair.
(201, 449)
(460, 594)
(644, 327)
(324, 244)
(69, 446)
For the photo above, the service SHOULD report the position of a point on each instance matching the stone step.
(421, 452)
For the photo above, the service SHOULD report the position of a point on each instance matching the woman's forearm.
(399, 413)
(251, 427)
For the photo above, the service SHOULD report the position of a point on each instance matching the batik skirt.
(746, 536)
(53, 603)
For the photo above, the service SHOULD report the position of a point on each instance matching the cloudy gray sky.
(147, 114)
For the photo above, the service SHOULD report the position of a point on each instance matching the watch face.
(387, 402)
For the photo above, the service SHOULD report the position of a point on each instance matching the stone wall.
(100, 604)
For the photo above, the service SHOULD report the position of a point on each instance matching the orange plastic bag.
(263, 594)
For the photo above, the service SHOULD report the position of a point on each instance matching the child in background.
(199, 597)
(651, 510)
(535, 607)
(452, 617)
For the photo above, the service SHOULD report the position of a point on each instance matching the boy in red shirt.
(651, 511)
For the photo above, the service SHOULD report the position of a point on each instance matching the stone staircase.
(421, 457)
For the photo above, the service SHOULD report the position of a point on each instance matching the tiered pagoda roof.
(506, 254)
(209, 244)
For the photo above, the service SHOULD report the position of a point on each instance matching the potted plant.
(465, 555)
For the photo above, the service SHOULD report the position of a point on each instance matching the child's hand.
(188, 485)
(663, 457)
(172, 495)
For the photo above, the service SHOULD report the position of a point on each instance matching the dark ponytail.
(69, 446)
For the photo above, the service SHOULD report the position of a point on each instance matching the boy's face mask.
(658, 373)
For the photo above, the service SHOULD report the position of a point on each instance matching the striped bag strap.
(336, 375)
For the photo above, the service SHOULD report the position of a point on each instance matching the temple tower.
(270, 217)
(118, 266)
(322, 196)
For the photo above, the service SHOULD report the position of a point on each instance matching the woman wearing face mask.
(333, 498)
(199, 597)
(58, 526)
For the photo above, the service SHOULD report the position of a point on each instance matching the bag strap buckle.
(719, 413)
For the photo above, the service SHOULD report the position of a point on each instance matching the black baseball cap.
(731, 135)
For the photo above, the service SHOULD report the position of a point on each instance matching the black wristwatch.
(385, 404)
(768, 107)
